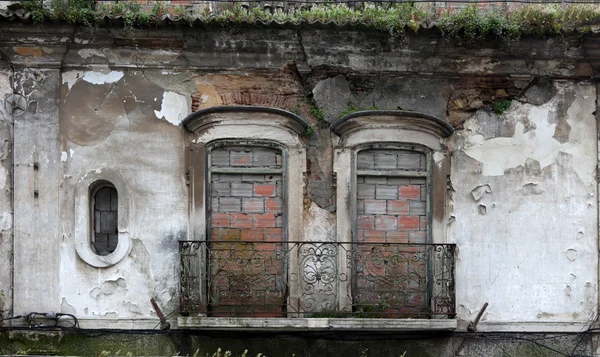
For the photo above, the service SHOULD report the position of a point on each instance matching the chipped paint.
(537, 142)
(174, 108)
(90, 52)
(102, 78)
(70, 77)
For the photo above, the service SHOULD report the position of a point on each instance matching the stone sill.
(534, 326)
(314, 324)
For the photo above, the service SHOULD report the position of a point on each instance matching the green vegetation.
(501, 106)
(469, 24)
(352, 108)
(317, 112)
(309, 131)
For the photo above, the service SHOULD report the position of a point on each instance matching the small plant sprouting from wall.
(468, 24)
(352, 108)
(501, 106)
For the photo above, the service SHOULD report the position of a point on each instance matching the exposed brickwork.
(247, 207)
(389, 207)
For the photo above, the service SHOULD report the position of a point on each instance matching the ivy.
(468, 25)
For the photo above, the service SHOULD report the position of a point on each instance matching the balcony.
(229, 282)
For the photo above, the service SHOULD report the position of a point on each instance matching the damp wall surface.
(522, 191)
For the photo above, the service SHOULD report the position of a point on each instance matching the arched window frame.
(84, 190)
(393, 129)
(94, 189)
(245, 124)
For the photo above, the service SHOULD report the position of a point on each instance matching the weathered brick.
(279, 189)
(241, 158)
(241, 220)
(219, 219)
(219, 157)
(241, 189)
(397, 237)
(397, 207)
(423, 223)
(273, 234)
(366, 222)
(375, 206)
(360, 179)
(252, 235)
(220, 189)
(376, 179)
(423, 194)
(386, 223)
(373, 236)
(417, 208)
(229, 204)
(278, 220)
(265, 189)
(360, 206)
(278, 160)
(365, 191)
(230, 177)
(254, 204)
(365, 160)
(384, 160)
(263, 158)
(214, 204)
(411, 161)
(386, 192)
(416, 237)
(263, 220)
(409, 192)
(225, 234)
(273, 205)
(408, 223)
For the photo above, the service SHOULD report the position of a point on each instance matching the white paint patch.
(102, 78)
(320, 224)
(71, 152)
(63, 156)
(90, 52)
(499, 154)
(3, 176)
(174, 108)
(70, 77)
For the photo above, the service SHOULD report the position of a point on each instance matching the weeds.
(468, 25)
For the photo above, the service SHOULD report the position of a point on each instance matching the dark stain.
(89, 112)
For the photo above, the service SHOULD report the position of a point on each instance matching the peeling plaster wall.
(126, 121)
(6, 189)
(525, 210)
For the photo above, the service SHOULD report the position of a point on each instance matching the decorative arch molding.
(245, 122)
(83, 232)
(375, 128)
(391, 126)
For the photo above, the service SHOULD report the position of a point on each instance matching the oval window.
(105, 235)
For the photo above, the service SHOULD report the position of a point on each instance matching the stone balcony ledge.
(314, 324)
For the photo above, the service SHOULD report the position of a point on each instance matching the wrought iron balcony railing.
(317, 279)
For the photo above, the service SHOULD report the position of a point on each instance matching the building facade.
(308, 181)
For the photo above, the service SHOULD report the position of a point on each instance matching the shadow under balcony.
(316, 286)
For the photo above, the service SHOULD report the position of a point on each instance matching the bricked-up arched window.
(392, 173)
(245, 169)
(392, 191)
(104, 218)
(246, 207)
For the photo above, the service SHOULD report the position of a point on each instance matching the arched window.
(104, 218)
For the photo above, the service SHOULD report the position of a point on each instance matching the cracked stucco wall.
(524, 202)
(6, 209)
(126, 121)
(525, 210)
